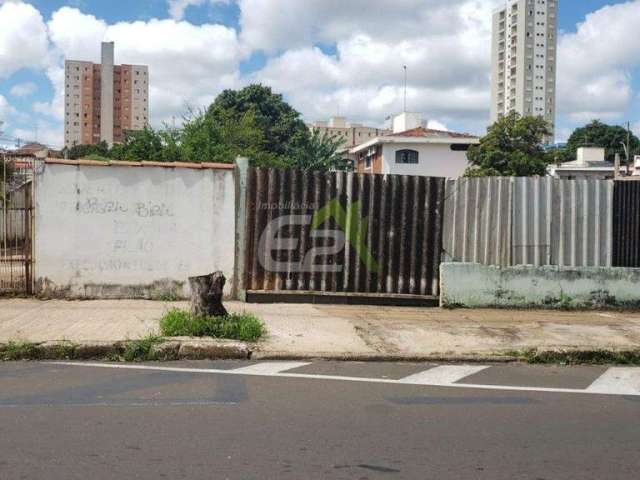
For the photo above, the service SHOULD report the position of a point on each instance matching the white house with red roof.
(415, 150)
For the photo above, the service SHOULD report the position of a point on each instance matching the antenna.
(405, 89)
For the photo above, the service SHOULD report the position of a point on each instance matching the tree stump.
(206, 295)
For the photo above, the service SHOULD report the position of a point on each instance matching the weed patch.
(582, 357)
(179, 323)
(141, 350)
(20, 351)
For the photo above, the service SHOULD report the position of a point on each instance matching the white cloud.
(188, 64)
(5, 109)
(177, 8)
(47, 133)
(595, 64)
(448, 67)
(281, 24)
(23, 38)
(23, 89)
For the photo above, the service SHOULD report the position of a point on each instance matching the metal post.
(240, 173)
(4, 213)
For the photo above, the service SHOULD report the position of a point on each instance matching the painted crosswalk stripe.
(411, 380)
(269, 368)
(618, 380)
(444, 375)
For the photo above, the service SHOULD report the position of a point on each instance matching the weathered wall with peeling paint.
(131, 232)
(526, 286)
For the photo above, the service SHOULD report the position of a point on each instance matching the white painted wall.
(113, 231)
(435, 160)
(527, 286)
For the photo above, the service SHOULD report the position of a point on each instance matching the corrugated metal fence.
(343, 232)
(626, 224)
(529, 221)
(477, 226)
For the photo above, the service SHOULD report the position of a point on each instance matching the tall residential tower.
(104, 101)
(524, 56)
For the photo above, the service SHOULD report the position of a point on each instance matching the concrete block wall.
(526, 286)
(132, 230)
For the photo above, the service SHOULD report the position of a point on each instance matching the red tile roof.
(118, 163)
(428, 132)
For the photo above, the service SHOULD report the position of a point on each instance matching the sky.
(326, 57)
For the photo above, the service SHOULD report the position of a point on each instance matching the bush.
(244, 327)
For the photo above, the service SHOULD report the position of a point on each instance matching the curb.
(134, 350)
(380, 357)
(185, 348)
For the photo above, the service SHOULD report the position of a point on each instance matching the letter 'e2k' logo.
(353, 232)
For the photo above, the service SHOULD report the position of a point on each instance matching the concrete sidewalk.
(338, 331)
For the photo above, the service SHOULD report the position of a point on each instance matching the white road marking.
(444, 375)
(335, 377)
(269, 368)
(618, 380)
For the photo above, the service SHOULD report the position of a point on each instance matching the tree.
(223, 137)
(598, 134)
(252, 122)
(283, 131)
(321, 152)
(101, 150)
(140, 145)
(513, 146)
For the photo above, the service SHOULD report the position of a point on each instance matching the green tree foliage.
(513, 146)
(321, 152)
(223, 137)
(598, 134)
(99, 151)
(252, 122)
(282, 128)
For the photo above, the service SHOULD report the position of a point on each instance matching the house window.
(460, 147)
(406, 156)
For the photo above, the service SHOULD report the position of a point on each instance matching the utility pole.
(405, 90)
(628, 146)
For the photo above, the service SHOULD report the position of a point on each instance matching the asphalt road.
(82, 422)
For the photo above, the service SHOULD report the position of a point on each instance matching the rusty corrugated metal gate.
(626, 224)
(339, 232)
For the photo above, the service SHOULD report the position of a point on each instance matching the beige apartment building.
(103, 101)
(351, 134)
(524, 58)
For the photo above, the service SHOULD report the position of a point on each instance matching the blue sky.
(322, 58)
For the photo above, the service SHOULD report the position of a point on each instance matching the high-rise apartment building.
(103, 101)
(524, 56)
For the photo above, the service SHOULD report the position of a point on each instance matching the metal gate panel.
(16, 226)
(626, 224)
(532, 217)
(477, 220)
(582, 222)
(342, 232)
